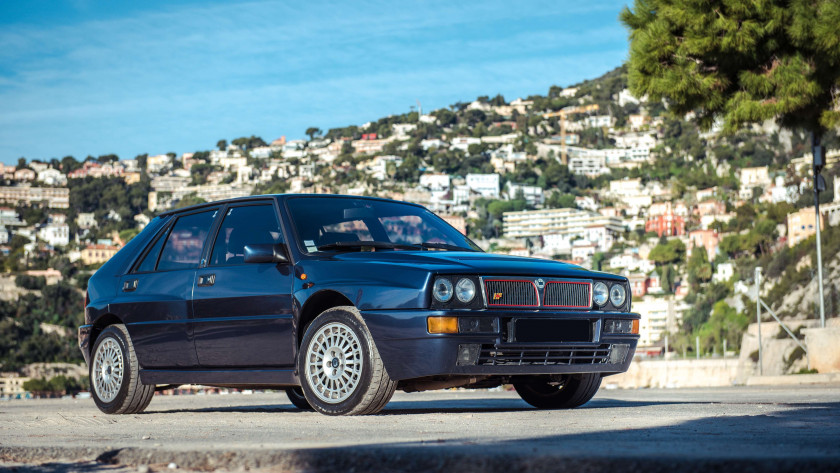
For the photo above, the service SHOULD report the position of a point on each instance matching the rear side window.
(183, 247)
(247, 225)
(151, 258)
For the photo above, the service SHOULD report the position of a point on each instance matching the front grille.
(511, 292)
(516, 355)
(569, 294)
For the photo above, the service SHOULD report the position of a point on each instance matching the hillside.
(655, 187)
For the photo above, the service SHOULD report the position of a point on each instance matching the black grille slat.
(516, 293)
(567, 294)
(507, 355)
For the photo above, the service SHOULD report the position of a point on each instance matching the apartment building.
(559, 227)
(11, 385)
(802, 224)
(662, 315)
(53, 197)
(485, 184)
(98, 254)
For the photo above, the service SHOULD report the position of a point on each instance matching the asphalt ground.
(739, 429)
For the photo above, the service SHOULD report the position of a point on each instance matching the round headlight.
(442, 290)
(617, 295)
(600, 293)
(465, 290)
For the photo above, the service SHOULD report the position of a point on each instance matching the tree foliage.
(669, 252)
(743, 60)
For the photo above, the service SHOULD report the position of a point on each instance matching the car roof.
(279, 197)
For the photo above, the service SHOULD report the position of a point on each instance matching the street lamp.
(819, 186)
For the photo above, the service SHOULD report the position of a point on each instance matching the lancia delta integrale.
(341, 301)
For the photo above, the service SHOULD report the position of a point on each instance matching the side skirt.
(221, 377)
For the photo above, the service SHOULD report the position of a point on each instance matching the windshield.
(337, 223)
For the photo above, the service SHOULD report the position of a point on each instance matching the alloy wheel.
(334, 362)
(108, 370)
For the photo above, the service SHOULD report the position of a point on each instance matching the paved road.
(723, 429)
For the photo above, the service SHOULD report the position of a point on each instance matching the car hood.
(471, 263)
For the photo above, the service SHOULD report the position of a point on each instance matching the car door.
(242, 312)
(155, 298)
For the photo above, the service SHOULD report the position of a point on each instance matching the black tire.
(575, 391)
(298, 399)
(367, 390)
(131, 395)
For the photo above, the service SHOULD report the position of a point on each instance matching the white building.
(661, 315)
(52, 177)
(583, 250)
(569, 92)
(625, 97)
(781, 193)
(485, 184)
(560, 227)
(589, 165)
(403, 130)
(378, 169)
(157, 163)
(55, 234)
(619, 156)
(532, 194)
(464, 142)
(754, 177)
(635, 140)
(261, 152)
(432, 143)
(86, 220)
(625, 188)
(435, 181)
(599, 121)
(723, 272)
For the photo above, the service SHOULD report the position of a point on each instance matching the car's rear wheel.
(297, 398)
(115, 375)
(572, 391)
(340, 368)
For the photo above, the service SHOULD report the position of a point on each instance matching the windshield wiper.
(429, 245)
(352, 245)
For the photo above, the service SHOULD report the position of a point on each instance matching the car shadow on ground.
(444, 406)
(790, 438)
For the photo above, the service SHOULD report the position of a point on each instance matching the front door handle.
(207, 280)
(129, 285)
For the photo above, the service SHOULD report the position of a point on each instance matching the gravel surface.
(723, 429)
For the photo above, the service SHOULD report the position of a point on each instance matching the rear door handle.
(207, 280)
(129, 285)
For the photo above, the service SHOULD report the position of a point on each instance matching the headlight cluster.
(615, 293)
(463, 291)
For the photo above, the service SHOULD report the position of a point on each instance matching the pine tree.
(744, 61)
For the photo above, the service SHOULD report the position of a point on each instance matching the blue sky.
(89, 78)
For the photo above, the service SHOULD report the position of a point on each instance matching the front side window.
(246, 225)
(183, 247)
(326, 221)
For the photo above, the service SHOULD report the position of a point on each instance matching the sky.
(91, 78)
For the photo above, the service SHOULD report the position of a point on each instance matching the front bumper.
(409, 351)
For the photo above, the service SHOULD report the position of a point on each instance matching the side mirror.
(265, 254)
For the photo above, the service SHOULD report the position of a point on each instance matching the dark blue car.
(340, 301)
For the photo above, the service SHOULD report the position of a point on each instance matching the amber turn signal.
(442, 324)
(635, 327)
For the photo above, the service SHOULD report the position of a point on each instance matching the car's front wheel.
(339, 366)
(114, 374)
(572, 391)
